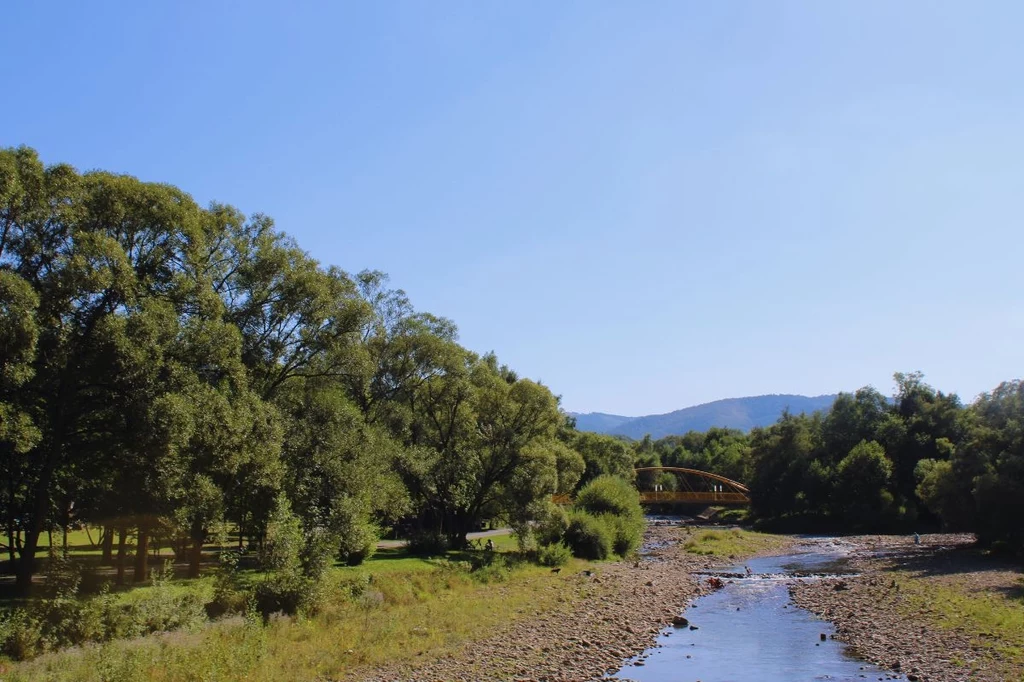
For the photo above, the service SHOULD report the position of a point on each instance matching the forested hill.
(736, 413)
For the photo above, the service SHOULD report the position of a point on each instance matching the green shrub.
(21, 635)
(496, 572)
(352, 587)
(615, 503)
(627, 533)
(285, 592)
(228, 595)
(427, 543)
(588, 536)
(317, 553)
(491, 567)
(162, 607)
(358, 543)
(284, 542)
(556, 554)
(609, 495)
(551, 525)
(65, 620)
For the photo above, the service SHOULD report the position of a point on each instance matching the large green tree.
(487, 445)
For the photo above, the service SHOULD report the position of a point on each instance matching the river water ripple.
(749, 631)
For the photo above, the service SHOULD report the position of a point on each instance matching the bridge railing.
(653, 497)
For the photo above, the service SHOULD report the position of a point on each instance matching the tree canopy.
(166, 369)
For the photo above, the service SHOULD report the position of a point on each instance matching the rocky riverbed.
(620, 611)
(889, 617)
(617, 611)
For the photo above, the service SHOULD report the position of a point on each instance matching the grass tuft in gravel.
(732, 542)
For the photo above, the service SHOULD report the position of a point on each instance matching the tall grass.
(365, 618)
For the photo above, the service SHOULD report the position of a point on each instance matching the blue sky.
(645, 205)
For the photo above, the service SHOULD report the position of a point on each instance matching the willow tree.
(488, 446)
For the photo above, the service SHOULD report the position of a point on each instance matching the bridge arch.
(709, 489)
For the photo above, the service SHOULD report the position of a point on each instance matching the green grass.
(732, 543)
(391, 609)
(79, 544)
(444, 600)
(733, 515)
(87, 555)
(995, 620)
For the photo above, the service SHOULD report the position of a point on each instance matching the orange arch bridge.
(694, 486)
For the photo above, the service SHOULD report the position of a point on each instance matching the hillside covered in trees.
(875, 463)
(169, 371)
(731, 413)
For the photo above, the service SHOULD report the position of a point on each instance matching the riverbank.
(398, 618)
(939, 611)
(613, 614)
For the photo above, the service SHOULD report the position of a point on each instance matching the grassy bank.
(732, 542)
(992, 616)
(393, 608)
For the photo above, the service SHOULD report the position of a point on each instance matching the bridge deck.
(722, 490)
(650, 497)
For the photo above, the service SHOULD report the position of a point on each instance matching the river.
(749, 631)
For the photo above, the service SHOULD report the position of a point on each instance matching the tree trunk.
(10, 547)
(122, 551)
(196, 555)
(27, 564)
(142, 556)
(458, 526)
(12, 530)
(108, 545)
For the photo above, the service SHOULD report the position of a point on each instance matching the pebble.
(613, 623)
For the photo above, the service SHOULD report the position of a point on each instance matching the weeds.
(364, 618)
(62, 619)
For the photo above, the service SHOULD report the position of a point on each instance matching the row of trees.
(165, 368)
(876, 462)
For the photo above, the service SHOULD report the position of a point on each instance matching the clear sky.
(645, 205)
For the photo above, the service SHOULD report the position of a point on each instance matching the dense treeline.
(876, 463)
(167, 370)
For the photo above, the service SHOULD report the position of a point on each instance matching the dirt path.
(621, 610)
(892, 614)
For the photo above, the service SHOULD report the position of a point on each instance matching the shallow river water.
(748, 631)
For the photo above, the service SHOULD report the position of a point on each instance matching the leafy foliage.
(166, 369)
(588, 536)
(556, 554)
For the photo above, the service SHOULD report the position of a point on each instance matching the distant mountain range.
(735, 413)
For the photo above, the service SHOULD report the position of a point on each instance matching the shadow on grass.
(1013, 592)
(930, 562)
